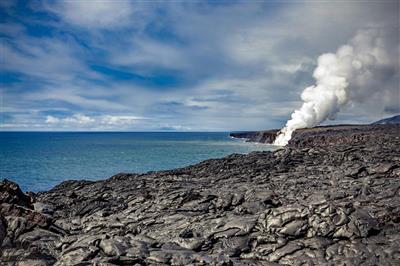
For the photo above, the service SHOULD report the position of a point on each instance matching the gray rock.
(43, 208)
(113, 247)
(3, 232)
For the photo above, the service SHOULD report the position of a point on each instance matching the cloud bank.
(101, 122)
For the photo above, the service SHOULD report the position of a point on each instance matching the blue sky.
(187, 66)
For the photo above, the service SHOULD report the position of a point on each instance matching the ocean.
(38, 161)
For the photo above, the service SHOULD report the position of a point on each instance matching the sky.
(172, 66)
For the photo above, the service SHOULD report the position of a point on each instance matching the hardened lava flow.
(330, 197)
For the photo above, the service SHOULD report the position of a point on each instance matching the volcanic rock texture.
(331, 197)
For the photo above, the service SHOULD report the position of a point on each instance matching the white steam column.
(356, 72)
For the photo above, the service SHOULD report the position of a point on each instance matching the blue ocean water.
(40, 160)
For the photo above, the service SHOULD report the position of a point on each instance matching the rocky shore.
(331, 197)
(338, 132)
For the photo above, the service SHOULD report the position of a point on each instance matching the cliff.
(315, 136)
(267, 136)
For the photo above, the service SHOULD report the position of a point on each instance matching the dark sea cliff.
(331, 197)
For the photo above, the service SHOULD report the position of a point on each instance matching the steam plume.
(364, 69)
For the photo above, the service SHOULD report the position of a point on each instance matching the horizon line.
(114, 131)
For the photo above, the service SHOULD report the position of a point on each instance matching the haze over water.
(40, 160)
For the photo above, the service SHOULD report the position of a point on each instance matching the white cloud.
(79, 119)
(52, 120)
(94, 14)
(120, 120)
(174, 127)
(149, 53)
(303, 31)
(76, 119)
(49, 59)
(76, 95)
(114, 122)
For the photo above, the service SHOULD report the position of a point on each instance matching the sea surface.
(38, 161)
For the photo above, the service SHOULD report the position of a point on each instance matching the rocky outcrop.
(331, 197)
(340, 135)
(12, 194)
(267, 136)
(318, 135)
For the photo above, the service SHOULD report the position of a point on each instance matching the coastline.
(40, 161)
(330, 196)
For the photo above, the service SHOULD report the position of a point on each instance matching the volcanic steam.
(364, 68)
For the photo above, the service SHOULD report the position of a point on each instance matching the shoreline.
(51, 158)
(330, 189)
